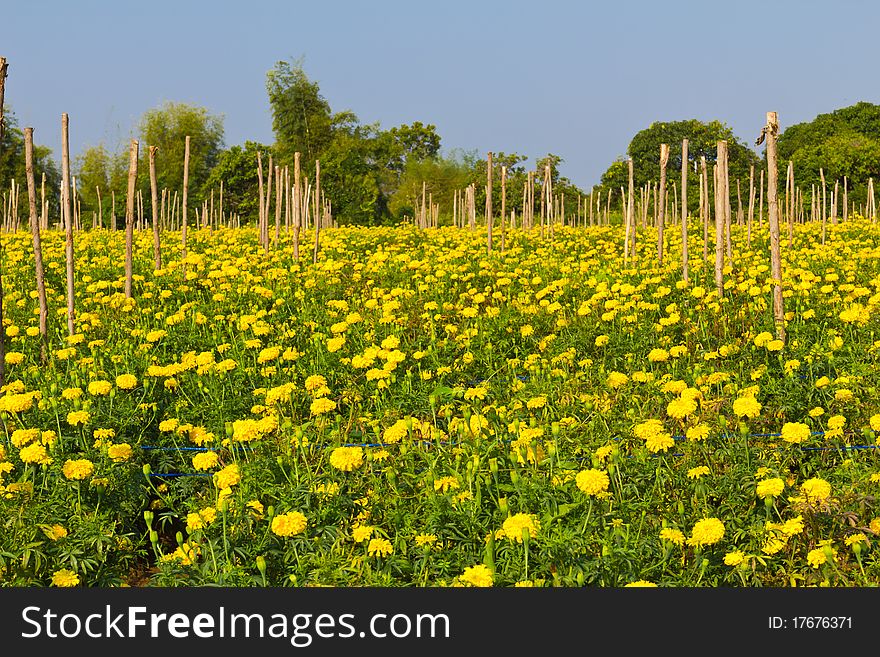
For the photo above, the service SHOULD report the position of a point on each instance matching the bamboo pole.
(661, 211)
(751, 204)
(44, 204)
(845, 199)
(35, 235)
(684, 210)
(317, 217)
(297, 204)
(628, 215)
(489, 202)
(154, 202)
(183, 203)
(770, 133)
(503, 208)
(67, 218)
(704, 205)
(278, 198)
(3, 73)
(720, 217)
(129, 215)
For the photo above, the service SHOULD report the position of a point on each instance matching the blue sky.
(577, 79)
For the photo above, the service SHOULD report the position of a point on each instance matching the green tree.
(96, 167)
(12, 167)
(167, 127)
(441, 175)
(237, 168)
(301, 117)
(703, 138)
(845, 142)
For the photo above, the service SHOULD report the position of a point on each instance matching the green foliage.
(703, 138)
(301, 117)
(167, 127)
(845, 142)
(442, 177)
(97, 167)
(237, 168)
(12, 167)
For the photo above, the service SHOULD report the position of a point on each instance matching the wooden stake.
(154, 201)
(35, 235)
(67, 219)
(661, 211)
(184, 218)
(770, 133)
(684, 210)
(129, 215)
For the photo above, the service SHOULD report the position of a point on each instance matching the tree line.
(374, 175)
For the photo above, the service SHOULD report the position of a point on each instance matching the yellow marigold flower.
(479, 575)
(119, 452)
(14, 357)
(322, 405)
(168, 425)
(659, 442)
(643, 583)
(228, 476)
(347, 458)
(314, 382)
(35, 453)
(71, 393)
(100, 387)
(78, 418)
(79, 469)
(395, 433)
(21, 437)
(379, 547)
(194, 522)
(816, 411)
(65, 578)
(775, 345)
(747, 406)
(734, 558)
(706, 532)
(54, 532)
(856, 539)
(616, 379)
(699, 471)
(816, 489)
(289, 524)
(126, 381)
(444, 484)
(770, 487)
(514, 525)
(362, 532)
(697, 433)
(680, 408)
(795, 432)
(674, 536)
(817, 557)
(844, 394)
(592, 481)
(763, 338)
(537, 402)
(658, 355)
(205, 460)
(425, 539)
(478, 392)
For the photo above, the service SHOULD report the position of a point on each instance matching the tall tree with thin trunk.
(129, 215)
(154, 202)
(67, 218)
(684, 209)
(661, 206)
(185, 190)
(770, 133)
(35, 234)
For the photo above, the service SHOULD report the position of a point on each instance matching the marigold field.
(415, 411)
